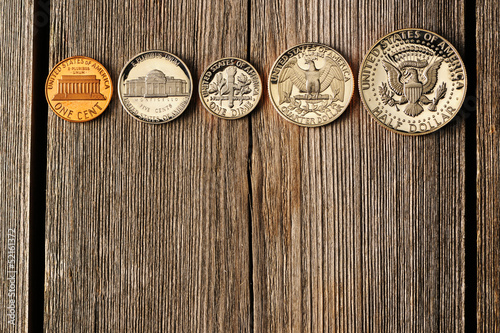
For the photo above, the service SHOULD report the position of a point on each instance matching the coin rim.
(203, 100)
(304, 125)
(146, 121)
(107, 100)
(394, 130)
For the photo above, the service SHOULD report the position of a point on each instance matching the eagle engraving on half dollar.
(412, 81)
(404, 80)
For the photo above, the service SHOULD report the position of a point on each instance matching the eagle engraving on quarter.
(311, 84)
(155, 87)
(230, 88)
(412, 81)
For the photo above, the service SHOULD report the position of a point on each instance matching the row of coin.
(412, 81)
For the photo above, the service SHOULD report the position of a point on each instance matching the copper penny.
(78, 89)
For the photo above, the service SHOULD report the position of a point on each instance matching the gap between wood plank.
(249, 180)
(41, 31)
(469, 114)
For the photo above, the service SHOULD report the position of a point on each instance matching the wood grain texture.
(15, 145)
(354, 228)
(147, 225)
(488, 172)
(205, 225)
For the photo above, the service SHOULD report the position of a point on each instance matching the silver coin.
(155, 87)
(230, 88)
(311, 84)
(412, 81)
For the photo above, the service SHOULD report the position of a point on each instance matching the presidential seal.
(155, 87)
(412, 81)
(311, 84)
(230, 88)
(78, 89)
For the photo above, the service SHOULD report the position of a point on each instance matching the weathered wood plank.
(15, 145)
(488, 171)
(147, 225)
(354, 228)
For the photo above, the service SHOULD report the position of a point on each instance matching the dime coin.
(311, 84)
(412, 81)
(78, 89)
(230, 88)
(155, 87)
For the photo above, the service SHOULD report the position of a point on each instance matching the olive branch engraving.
(219, 85)
(232, 88)
(317, 108)
(243, 87)
(387, 96)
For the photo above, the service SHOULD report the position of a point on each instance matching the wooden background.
(204, 224)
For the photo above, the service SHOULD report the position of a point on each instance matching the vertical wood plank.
(147, 225)
(16, 128)
(298, 235)
(354, 228)
(488, 172)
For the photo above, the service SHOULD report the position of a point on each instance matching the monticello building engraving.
(78, 87)
(155, 84)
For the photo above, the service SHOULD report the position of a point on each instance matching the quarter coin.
(155, 87)
(230, 88)
(311, 84)
(78, 89)
(412, 81)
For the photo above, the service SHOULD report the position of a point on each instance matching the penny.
(78, 89)
(230, 88)
(311, 84)
(155, 87)
(412, 81)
